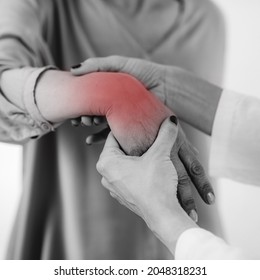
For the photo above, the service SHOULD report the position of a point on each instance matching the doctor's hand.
(147, 185)
(150, 74)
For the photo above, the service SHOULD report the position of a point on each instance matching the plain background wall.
(239, 205)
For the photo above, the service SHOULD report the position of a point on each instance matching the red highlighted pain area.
(134, 114)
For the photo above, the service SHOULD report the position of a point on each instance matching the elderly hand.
(147, 185)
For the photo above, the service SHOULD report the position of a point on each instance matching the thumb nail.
(211, 198)
(194, 216)
(174, 119)
(76, 66)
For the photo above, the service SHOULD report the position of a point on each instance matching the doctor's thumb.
(166, 137)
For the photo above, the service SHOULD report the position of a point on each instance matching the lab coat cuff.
(199, 244)
(221, 133)
(189, 242)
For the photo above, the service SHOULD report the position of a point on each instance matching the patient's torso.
(65, 213)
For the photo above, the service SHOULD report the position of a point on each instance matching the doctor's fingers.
(112, 160)
(197, 174)
(184, 189)
(112, 63)
(145, 71)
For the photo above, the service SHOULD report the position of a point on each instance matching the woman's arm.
(134, 115)
(192, 99)
(23, 50)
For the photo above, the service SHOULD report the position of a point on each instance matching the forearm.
(50, 88)
(55, 97)
(133, 113)
(194, 100)
(21, 119)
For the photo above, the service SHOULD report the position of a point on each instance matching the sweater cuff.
(37, 121)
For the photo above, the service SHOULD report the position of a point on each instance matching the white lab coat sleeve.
(235, 147)
(198, 244)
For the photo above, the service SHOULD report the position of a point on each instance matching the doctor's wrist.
(169, 227)
(193, 99)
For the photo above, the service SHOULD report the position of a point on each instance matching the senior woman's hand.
(147, 185)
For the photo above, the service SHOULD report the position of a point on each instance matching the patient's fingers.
(98, 137)
(97, 120)
(86, 120)
(197, 174)
(75, 122)
(93, 120)
(184, 188)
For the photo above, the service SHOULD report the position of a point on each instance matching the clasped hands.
(182, 154)
(147, 185)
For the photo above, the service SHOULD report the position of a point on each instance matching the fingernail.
(194, 216)
(210, 198)
(88, 142)
(76, 66)
(74, 123)
(174, 119)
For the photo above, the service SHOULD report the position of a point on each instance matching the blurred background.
(238, 205)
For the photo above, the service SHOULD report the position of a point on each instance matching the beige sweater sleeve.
(24, 51)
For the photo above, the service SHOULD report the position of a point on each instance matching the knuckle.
(196, 169)
(206, 187)
(188, 203)
(204, 190)
(183, 180)
(101, 166)
(103, 182)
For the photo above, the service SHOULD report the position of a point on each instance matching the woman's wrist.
(194, 100)
(55, 96)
